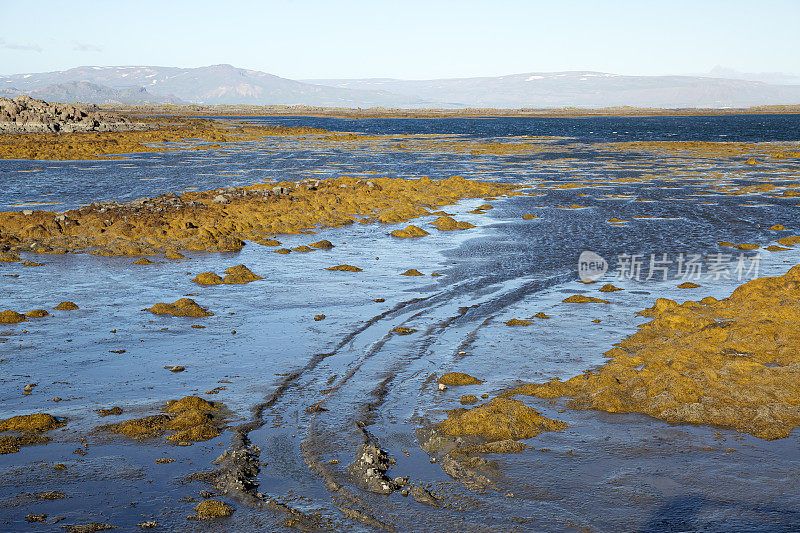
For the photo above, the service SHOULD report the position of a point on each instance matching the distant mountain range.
(225, 84)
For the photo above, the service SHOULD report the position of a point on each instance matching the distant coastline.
(379, 112)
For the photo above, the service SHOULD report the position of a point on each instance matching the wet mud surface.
(336, 423)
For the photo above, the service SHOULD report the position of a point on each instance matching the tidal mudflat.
(380, 324)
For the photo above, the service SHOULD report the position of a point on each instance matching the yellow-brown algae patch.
(37, 313)
(455, 379)
(174, 255)
(317, 318)
(345, 268)
(94, 144)
(746, 246)
(143, 261)
(500, 419)
(190, 418)
(402, 330)
(573, 206)
(222, 219)
(207, 278)
(789, 241)
(50, 495)
(726, 244)
(13, 443)
(211, 509)
(283, 251)
(773, 248)
(615, 221)
(11, 317)
(114, 411)
(529, 216)
(498, 446)
(32, 264)
(9, 256)
(660, 305)
(688, 285)
(269, 242)
(581, 299)
(412, 272)
(468, 399)
(518, 322)
(189, 403)
(30, 428)
(182, 307)
(302, 248)
(733, 362)
(36, 422)
(322, 245)
(777, 227)
(751, 161)
(541, 316)
(446, 223)
(239, 274)
(66, 306)
(410, 231)
(608, 287)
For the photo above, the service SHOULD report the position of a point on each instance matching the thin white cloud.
(30, 47)
(86, 47)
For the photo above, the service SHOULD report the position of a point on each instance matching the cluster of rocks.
(24, 114)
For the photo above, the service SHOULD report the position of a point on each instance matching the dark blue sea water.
(746, 128)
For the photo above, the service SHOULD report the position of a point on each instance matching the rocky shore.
(24, 114)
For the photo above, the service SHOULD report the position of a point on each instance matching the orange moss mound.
(412, 272)
(239, 274)
(609, 288)
(182, 307)
(581, 299)
(409, 232)
(30, 428)
(210, 509)
(500, 419)
(518, 322)
(35, 422)
(11, 317)
(688, 285)
(322, 245)
(541, 316)
(529, 216)
(143, 261)
(777, 227)
(36, 313)
(191, 419)
(207, 278)
(66, 306)
(345, 268)
(733, 362)
(455, 379)
(446, 223)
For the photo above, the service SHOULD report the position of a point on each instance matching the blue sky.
(405, 39)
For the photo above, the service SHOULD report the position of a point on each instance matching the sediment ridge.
(222, 219)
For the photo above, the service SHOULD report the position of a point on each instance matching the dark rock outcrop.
(24, 114)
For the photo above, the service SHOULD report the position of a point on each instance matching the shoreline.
(434, 113)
